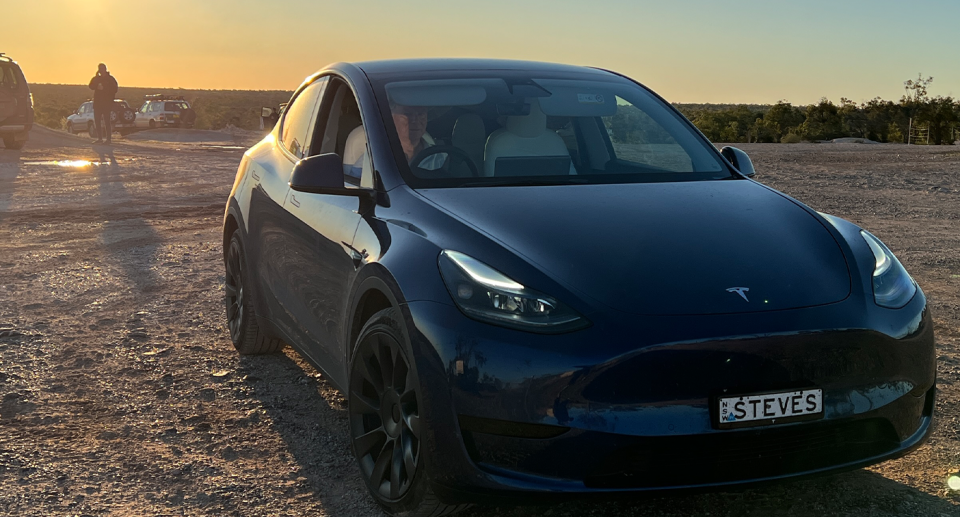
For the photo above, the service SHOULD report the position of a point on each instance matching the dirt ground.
(120, 393)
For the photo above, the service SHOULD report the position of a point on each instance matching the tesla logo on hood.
(742, 291)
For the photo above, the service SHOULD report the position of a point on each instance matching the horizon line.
(291, 90)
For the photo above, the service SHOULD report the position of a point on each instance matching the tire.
(153, 124)
(128, 116)
(70, 128)
(188, 117)
(11, 142)
(245, 333)
(92, 130)
(383, 407)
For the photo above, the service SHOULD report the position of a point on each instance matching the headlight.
(485, 294)
(892, 285)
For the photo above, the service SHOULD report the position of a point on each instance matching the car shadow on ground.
(310, 417)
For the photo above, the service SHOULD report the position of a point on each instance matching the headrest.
(470, 134)
(531, 125)
(355, 146)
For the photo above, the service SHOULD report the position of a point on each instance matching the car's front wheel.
(11, 142)
(386, 424)
(245, 332)
(70, 128)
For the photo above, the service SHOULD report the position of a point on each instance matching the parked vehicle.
(16, 104)
(121, 118)
(165, 111)
(532, 280)
(269, 116)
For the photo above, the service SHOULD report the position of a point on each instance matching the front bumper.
(630, 405)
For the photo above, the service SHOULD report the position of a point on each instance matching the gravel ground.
(120, 393)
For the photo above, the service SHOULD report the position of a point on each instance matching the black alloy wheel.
(245, 332)
(233, 286)
(384, 414)
(386, 421)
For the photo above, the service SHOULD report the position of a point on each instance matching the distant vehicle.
(122, 118)
(532, 279)
(165, 111)
(16, 104)
(269, 117)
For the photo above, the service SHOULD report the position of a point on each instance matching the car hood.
(709, 247)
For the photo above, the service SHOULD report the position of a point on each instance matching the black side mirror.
(323, 174)
(740, 160)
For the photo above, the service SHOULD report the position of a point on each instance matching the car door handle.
(254, 174)
(293, 201)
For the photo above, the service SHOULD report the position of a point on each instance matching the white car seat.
(356, 160)
(523, 136)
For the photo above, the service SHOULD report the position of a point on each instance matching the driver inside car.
(411, 124)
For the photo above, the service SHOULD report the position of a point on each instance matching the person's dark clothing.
(104, 88)
(101, 121)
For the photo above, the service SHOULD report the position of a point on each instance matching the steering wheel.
(457, 156)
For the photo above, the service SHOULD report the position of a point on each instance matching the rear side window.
(9, 78)
(175, 106)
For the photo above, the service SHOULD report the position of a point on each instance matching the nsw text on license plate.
(770, 407)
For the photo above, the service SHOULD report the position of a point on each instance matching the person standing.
(104, 88)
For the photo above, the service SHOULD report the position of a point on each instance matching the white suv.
(164, 111)
(121, 118)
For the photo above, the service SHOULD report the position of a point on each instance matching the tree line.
(936, 119)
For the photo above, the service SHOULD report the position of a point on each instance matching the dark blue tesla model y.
(534, 279)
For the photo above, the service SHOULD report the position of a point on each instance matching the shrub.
(894, 134)
(790, 138)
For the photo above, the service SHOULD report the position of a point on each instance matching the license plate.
(770, 408)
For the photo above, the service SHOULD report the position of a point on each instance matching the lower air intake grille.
(741, 455)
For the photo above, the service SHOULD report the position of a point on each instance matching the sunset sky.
(751, 51)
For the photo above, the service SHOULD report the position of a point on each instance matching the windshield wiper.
(524, 183)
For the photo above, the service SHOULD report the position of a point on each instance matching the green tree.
(823, 121)
(917, 90)
(940, 116)
(782, 119)
(853, 118)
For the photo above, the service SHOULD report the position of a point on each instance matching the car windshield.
(523, 129)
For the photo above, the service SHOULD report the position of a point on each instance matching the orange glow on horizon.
(686, 51)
